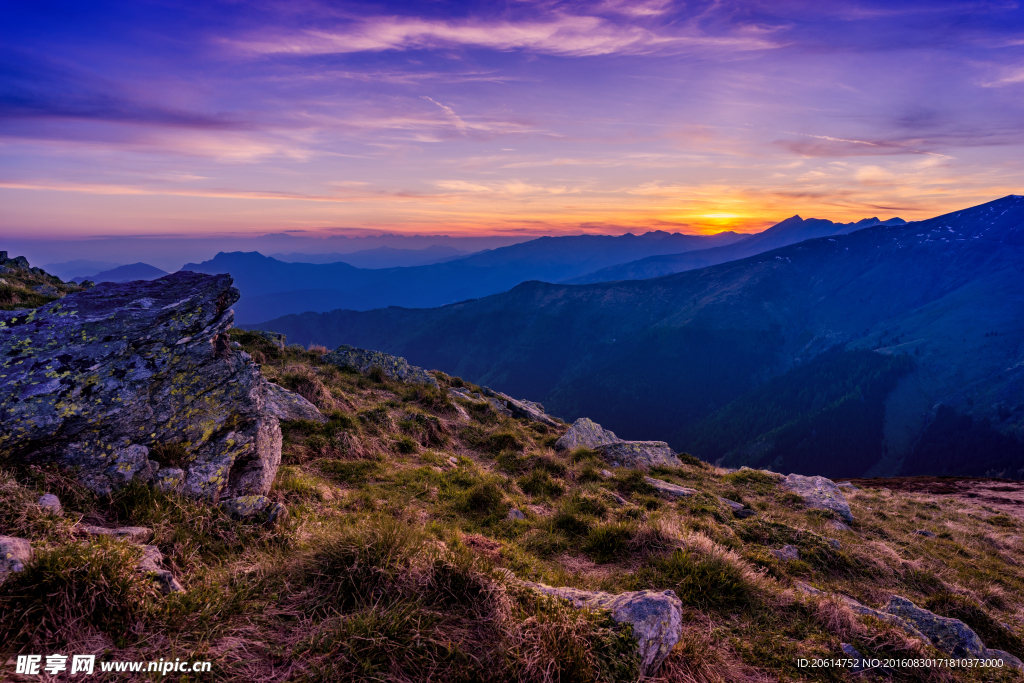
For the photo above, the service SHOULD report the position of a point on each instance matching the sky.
(198, 119)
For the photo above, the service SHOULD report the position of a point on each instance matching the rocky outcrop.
(287, 405)
(952, 637)
(363, 360)
(819, 493)
(15, 553)
(585, 433)
(527, 410)
(655, 617)
(93, 380)
(642, 454)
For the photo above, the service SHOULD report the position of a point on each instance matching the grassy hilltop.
(385, 569)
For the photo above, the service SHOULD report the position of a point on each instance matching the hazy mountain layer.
(789, 231)
(653, 358)
(133, 271)
(271, 288)
(381, 257)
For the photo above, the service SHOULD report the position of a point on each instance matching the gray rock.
(670, 489)
(252, 508)
(287, 405)
(858, 659)
(90, 380)
(642, 454)
(864, 610)
(133, 534)
(606, 474)
(585, 433)
(819, 493)
(835, 543)
(744, 513)
(364, 360)
(732, 504)
(1009, 661)
(655, 616)
(15, 553)
(50, 503)
(150, 563)
(951, 636)
(925, 533)
(848, 486)
(516, 514)
(787, 553)
(527, 410)
(836, 525)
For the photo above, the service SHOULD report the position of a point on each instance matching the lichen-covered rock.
(363, 360)
(655, 617)
(287, 405)
(170, 478)
(93, 379)
(245, 507)
(132, 534)
(50, 503)
(585, 433)
(1009, 661)
(950, 636)
(643, 454)
(670, 489)
(15, 553)
(819, 493)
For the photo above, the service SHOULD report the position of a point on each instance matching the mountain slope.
(271, 288)
(789, 231)
(650, 358)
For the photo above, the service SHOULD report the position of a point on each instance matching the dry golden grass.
(398, 519)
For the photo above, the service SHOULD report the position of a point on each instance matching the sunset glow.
(527, 118)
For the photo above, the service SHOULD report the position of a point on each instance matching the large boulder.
(656, 617)
(819, 493)
(585, 433)
(364, 360)
(642, 454)
(94, 380)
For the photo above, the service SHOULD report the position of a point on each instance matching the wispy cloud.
(562, 34)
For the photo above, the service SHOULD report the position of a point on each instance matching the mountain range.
(271, 288)
(891, 349)
(381, 257)
(789, 231)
